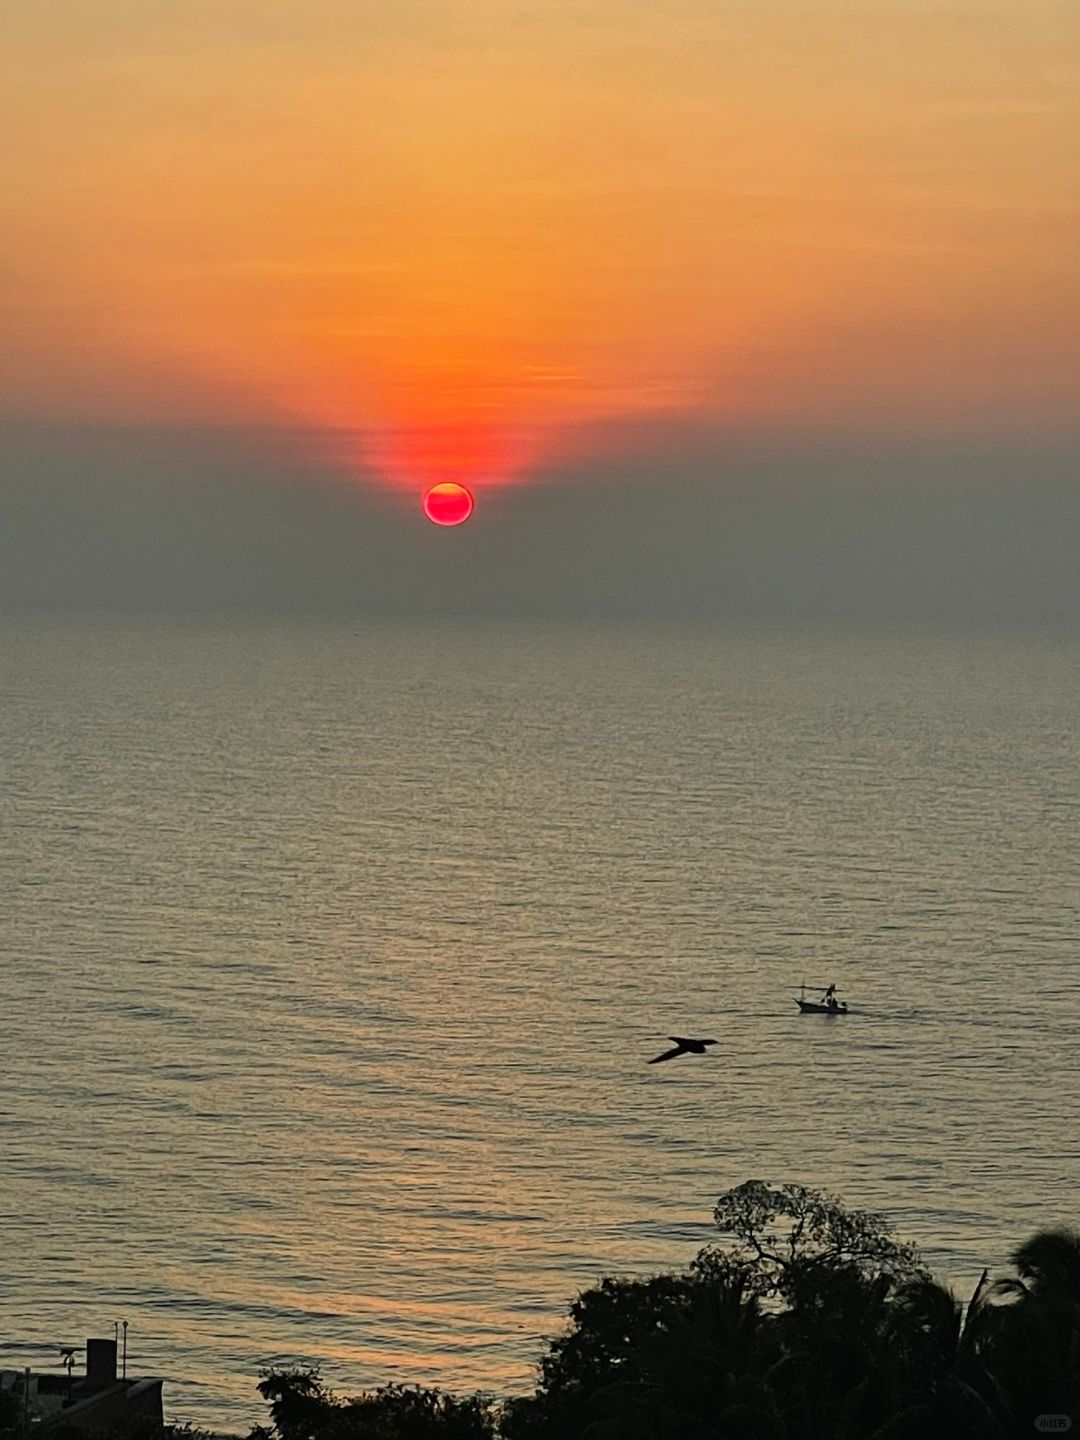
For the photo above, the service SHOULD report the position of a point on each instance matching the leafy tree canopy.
(303, 1409)
(788, 1235)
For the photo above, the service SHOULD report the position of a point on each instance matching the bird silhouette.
(682, 1047)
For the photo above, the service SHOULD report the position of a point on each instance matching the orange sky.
(459, 228)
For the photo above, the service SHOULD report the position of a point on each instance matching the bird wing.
(681, 1040)
(668, 1054)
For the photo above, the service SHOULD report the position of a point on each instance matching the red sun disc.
(448, 504)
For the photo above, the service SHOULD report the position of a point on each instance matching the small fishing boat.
(826, 1005)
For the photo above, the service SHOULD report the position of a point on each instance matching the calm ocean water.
(332, 956)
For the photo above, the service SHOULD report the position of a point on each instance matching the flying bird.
(682, 1047)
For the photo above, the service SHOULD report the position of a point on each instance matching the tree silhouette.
(1036, 1352)
(303, 1409)
(807, 1322)
(784, 1235)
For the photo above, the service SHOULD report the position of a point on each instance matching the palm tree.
(938, 1347)
(1049, 1266)
(1036, 1349)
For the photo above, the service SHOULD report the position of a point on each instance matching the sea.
(333, 953)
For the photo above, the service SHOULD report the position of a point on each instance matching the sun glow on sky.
(462, 230)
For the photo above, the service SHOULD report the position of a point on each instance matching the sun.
(448, 504)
